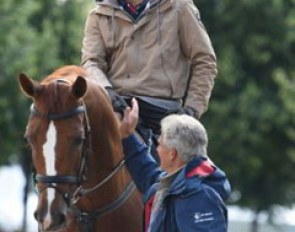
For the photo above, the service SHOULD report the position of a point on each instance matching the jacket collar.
(180, 184)
(200, 167)
(198, 171)
(187, 183)
(107, 7)
(115, 2)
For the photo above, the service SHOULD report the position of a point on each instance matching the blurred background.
(250, 121)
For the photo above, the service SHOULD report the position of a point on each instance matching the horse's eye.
(78, 141)
(25, 138)
(28, 138)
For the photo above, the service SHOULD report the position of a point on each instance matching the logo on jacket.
(203, 217)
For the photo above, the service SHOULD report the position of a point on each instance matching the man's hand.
(118, 102)
(189, 111)
(130, 120)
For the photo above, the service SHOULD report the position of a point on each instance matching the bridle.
(51, 181)
(72, 198)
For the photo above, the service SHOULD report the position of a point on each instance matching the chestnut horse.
(80, 175)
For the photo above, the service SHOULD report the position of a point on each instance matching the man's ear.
(173, 154)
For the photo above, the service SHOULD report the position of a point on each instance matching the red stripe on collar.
(204, 169)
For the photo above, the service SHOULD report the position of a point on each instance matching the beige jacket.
(166, 53)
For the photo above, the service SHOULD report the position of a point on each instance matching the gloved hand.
(119, 104)
(189, 111)
(130, 120)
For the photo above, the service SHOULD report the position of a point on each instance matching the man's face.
(165, 155)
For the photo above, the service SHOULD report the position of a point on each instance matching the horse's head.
(56, 132)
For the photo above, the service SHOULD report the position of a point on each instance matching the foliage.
(36, 37)
(251, 119)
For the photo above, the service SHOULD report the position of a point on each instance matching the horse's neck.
(106, 142)
(106, 154)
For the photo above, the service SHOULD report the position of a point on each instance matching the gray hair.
(186, 134)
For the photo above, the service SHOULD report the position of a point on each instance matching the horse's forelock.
(53, 95)
(56, 82)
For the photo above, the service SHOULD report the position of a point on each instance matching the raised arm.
(144, 170)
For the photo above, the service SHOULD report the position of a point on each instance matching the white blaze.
(49, 156)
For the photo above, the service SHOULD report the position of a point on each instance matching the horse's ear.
(29, 87)
(79, 87)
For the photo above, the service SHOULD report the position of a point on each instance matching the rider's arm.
(144, 170)
(93, 51)
(197, 47)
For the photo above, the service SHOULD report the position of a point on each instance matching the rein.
(87, 219)
(80, 191)
(72, 198)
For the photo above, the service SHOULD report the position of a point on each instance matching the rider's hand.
(189, 111)
(118, 102)
(130, 120)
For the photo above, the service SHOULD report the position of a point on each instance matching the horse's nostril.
(60, 219)
(55, 222)
(36, 215)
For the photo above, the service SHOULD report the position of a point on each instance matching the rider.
(156, 50)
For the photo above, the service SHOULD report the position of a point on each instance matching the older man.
(187, 192)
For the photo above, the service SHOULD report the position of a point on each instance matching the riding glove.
(189, 111)
(118, 103)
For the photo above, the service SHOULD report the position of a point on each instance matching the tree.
(36, 37)
(251, 119)
(16, 53)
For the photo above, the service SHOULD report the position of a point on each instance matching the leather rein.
(72, 198)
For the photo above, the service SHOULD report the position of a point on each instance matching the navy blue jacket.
(195, 199)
